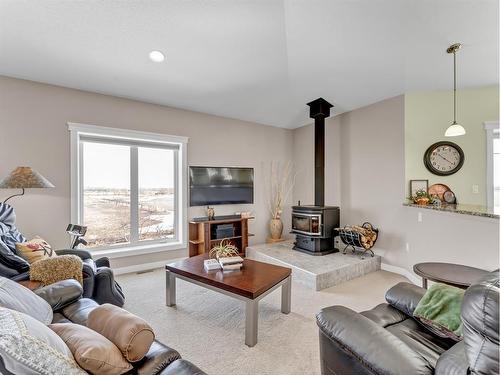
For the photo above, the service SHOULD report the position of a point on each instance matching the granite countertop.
(464, 209)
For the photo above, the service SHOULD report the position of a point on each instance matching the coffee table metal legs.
(251, 305)
(286, 295)
(251, 322)
(424, 283)
(170, 288)
(252, 311)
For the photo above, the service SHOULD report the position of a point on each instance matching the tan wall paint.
(365, 168)
(428, 114)
(303, 161)
(33, 132)
(372, 188)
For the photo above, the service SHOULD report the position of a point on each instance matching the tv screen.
(220, 185)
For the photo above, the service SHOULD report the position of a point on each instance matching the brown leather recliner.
(388, 340)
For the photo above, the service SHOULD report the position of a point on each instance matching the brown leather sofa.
(388, 340)
(65, 298)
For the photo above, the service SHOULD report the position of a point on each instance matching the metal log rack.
(352, 238)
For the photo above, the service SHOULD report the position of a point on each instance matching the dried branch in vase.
(282, 180)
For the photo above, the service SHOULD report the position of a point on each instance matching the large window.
(128, 187)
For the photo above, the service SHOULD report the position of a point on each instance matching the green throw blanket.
(439, 310)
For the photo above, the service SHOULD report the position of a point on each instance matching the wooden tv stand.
(203, 234)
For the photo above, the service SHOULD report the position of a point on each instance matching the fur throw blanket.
(51, 270)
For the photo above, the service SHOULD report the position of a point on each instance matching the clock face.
(444, 158)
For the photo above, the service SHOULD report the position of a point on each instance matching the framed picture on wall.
(416, 185)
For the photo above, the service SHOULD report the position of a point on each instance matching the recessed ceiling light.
(156, 56)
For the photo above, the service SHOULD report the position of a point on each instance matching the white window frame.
(116, 135)
(492, 129)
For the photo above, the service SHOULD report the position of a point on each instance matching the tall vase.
(276, 228)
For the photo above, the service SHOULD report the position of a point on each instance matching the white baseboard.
(140, 267)
(403, 272)
(155, 265)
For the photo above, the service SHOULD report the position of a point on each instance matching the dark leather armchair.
(387, 340)
(98, 280)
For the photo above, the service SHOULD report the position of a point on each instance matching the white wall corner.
(403, 272)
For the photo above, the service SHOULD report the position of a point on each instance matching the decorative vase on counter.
(210, 213)
(276, 228)
(422, 201)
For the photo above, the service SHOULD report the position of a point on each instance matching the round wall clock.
(444, 158)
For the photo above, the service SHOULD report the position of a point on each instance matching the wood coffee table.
(252, 283)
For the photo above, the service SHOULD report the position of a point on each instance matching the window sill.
(133, 250)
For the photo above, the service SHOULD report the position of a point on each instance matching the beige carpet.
(207, 328)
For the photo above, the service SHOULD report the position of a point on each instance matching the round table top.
(448, 273)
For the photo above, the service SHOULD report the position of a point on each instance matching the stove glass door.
(306, 224)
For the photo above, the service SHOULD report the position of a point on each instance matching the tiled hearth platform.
(315, 272)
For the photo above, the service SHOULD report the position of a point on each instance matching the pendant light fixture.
(454, 130)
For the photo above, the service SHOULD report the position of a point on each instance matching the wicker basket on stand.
(355, 236)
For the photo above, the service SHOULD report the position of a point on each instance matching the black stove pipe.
(319, 109)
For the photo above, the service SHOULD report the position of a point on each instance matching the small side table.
(456, 275)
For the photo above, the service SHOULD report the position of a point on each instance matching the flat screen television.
(220, 185)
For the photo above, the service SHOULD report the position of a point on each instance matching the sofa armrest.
(84, 254)
(357, 344)
(21, 276)
(405, 297)
(78, 312)
(158, 358)
(106, 289)
(61, 294)
(102, 262)
(182, 367)
(453, 361)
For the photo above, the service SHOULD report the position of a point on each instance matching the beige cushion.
(29, 347)
(16, 297)
(52, 270)
(35, 249)
(131, 334)
(92, 351)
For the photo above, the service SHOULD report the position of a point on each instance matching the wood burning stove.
(314, 225)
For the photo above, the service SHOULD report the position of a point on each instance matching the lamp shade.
(454, 130)
(24, 178)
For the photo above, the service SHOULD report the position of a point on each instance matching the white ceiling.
(259, 60)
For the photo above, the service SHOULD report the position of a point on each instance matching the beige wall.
(33, 132)
(372, 188)
(303, 161)
(365, 168)
(428, 114)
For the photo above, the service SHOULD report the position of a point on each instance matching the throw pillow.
(52, 270)
(439, 311)
(131, 334)
(35, 249)
(92, 351)
(16, 297)
(30, 347)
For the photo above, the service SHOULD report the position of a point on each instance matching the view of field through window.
(107, 194)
